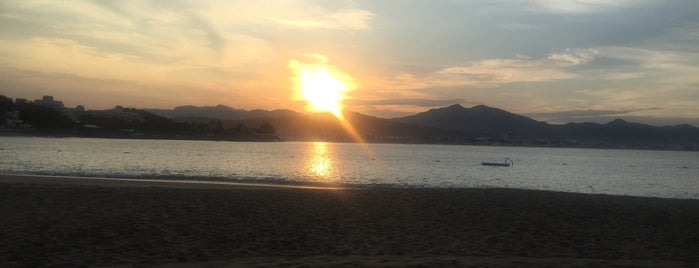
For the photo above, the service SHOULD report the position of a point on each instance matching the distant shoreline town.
(479, 125)
(49, 117)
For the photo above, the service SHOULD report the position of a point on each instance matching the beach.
(75, 222)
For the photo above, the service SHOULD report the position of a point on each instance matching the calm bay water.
(618, 172)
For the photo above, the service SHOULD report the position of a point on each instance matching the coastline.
(35, 134)
(101, 222)
(147, 183)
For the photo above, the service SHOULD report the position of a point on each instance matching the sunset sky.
(553, 60)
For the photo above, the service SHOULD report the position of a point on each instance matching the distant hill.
(481, 119)
(631, 134)
(220, 112)
(518, 129)
(325, 127)
(453, 124)
(48, 116)
(291, 125)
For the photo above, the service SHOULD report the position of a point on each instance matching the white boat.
(508, 162)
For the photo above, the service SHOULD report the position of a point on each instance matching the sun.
(322, 91)
(321, 87)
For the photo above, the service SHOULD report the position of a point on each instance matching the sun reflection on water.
(321, 163)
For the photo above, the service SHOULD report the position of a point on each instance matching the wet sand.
(91, 222)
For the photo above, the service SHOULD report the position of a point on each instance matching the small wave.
(170, 177)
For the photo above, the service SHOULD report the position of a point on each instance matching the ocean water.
(617, 172)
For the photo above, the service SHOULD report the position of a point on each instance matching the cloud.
(175, 29)
(300, 14)
(76, 89)
(579, 6)
(573, 57)
(657, 68)
(493, 72)
(625, 75)
(643, 57)
(518, 26)
(164, 34)
(225, 48)
(56, 55)
(352, 19)
(496, 72)
(623, 54)
(615, 80)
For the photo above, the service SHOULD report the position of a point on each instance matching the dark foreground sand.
(78, 222)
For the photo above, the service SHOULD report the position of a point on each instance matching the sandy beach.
(73, 222)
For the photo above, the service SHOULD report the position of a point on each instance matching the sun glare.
(321, 163)
(321, 87)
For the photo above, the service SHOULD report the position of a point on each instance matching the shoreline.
(684, 148)
(94, 222)
(213, 184)
(145, 183)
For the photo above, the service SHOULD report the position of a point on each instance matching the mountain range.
(453, 124)
(218, 112)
